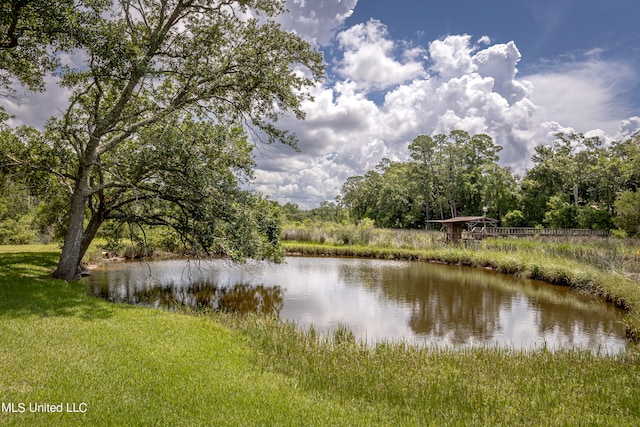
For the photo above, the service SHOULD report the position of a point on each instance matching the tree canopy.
(575, 182)
(448, 175)
(34, 32)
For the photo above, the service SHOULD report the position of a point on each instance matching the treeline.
(576, 182)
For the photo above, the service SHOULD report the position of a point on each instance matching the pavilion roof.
(464, 219)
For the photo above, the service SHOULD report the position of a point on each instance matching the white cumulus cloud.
(451, 84)
(315, 20)
(583, 94)
(370, 57)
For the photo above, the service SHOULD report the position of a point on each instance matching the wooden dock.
(479, 233)
(480, 227)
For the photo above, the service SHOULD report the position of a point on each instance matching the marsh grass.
(431, 386)
(361, 234)
(621, 256)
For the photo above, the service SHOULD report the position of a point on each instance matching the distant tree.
(514, 218)
(153, 71)
(560, 212)
(500, 191)
(292, 212)
(17, 213)
(360, 194)
(570, 166)
(594, 218)
(539, 184)
(398, 203)
(460, 172)
(327, 211)
(626, 158)
(425, 155)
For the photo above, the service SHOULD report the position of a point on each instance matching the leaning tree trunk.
(78, 237)
(75, 239)
(70, 257)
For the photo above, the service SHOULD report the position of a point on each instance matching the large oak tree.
(162, 89)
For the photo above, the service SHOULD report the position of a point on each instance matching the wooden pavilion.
(478, 226)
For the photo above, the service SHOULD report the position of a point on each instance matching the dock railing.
(480, 232)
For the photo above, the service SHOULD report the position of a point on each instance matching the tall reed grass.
(621, 256)
(431, 386)
(363, 233)
(608, 254)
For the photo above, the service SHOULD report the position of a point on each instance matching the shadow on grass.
(27, 289)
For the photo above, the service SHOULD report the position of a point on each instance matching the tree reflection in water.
(378, 300)
(460, 305)
(239, 298)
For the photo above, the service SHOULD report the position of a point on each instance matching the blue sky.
(517, 70)
(548, 33)
(540, 28)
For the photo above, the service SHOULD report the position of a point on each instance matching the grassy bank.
(137, 366)
(621, 256)
(440, 387)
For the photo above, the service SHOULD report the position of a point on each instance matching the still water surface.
(379, 300)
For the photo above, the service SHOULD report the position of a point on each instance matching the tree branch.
(12, 33)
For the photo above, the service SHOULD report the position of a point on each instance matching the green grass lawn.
(134, 366)
(139, 366)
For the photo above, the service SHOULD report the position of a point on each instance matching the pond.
(378, 300)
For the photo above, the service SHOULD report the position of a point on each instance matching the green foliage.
(514, 218)
(628, 208)
(17, 232)
(327, 211)
(359, 234)
(33, 31)
(396, 204)
(18, 210)
(619, 234)
(574, 183)
(184, 178)
(560, 213)
(449, 175)
(594, 218)
(576, 170)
